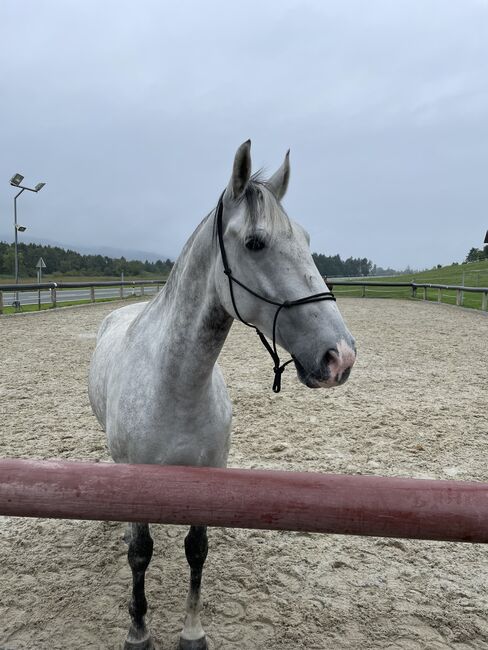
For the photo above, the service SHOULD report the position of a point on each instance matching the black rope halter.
(272, 350)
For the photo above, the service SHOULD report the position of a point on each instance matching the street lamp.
(16, 181)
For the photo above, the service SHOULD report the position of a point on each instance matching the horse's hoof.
(193, 644)
(146, 644)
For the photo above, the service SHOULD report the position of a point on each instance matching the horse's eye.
(255, 243)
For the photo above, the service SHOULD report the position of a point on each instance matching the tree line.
(69, 262)
(334, 266)
(477, 254)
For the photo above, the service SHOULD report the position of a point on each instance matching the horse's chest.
(177, 427)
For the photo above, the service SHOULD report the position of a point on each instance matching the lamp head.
(21, 228)
(16, 180)
(39, 186)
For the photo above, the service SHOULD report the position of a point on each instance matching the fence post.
(439, 295)
(425, 293)
(458, 297)
(142, 289)
(484, 301)
(414, 291)
(1, 302)
(121, 290)
(53, 295)
(364, 291)
(92, 294)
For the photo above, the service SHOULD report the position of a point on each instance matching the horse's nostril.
(330, 355)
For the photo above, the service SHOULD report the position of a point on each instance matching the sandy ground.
(415, 405)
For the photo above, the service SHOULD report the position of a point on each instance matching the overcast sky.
(131, 112)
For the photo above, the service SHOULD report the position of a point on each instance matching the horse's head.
(270, 254)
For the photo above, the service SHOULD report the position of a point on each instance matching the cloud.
(132, 112)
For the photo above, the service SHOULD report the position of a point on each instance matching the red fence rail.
(323, 503)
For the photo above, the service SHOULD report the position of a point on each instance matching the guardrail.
(364, 284)
(53, 287)
(414, 286)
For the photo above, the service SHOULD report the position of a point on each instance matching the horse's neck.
(187, 318)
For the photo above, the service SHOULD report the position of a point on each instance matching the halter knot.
(278, 370)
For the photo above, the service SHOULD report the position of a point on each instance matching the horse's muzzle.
(334, 367)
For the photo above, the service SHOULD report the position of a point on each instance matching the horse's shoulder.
(120, 318)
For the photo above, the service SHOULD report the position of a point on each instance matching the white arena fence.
(453, 294)
(53, 293)
(61, 292)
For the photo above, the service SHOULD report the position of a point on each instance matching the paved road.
(68, 295)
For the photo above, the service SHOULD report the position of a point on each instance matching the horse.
(154, 382)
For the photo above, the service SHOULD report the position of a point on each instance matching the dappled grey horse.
(155, 385)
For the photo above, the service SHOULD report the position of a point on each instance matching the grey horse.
(155, 385)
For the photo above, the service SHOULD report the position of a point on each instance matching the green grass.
(472, 274)
(475, 274)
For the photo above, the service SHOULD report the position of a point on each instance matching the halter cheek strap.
(272, 350)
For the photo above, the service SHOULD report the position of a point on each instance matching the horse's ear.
(279, 181)
(241, 172)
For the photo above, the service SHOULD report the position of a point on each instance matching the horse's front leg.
(196, 548)
(139, 556)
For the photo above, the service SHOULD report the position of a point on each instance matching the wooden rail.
(54, 287)
(414, 286)
(325, 503)
(33, 286)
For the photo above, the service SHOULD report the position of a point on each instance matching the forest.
(69, 262)
(334, 266)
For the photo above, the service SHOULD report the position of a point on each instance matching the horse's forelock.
(263, 210)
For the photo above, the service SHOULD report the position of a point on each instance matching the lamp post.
(16, 181)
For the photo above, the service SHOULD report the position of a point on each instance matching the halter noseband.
(273, 352)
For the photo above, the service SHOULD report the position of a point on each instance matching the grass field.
(472, 274)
